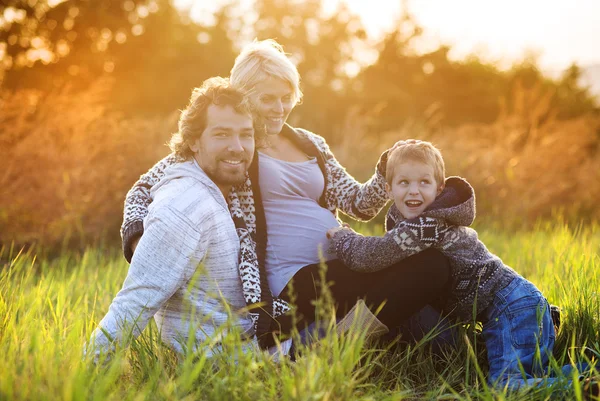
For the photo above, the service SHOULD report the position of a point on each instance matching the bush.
(525, 166)
(68, 163)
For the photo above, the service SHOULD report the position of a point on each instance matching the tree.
(390, 87)
(323, 46)
(152, 50)
(47, 41)
(571, 97)
(156, 71)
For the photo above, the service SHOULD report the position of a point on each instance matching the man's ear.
(194, 145)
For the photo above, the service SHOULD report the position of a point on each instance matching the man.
(185, 268)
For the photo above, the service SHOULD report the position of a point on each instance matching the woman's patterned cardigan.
(341, 192)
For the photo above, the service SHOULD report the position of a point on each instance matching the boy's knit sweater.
(477, 274)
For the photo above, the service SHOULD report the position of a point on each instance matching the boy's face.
(413, 187)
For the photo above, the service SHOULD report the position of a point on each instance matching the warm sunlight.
(299, 199)
(559, 31)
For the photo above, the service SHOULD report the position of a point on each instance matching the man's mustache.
(241, 156)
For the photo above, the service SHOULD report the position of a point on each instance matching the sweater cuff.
(337, 239)
(133, 231)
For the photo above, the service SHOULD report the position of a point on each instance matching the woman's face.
(273, 100)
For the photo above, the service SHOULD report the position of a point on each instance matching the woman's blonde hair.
(261, 60)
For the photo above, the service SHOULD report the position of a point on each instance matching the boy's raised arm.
(136, 204)
(369, 254)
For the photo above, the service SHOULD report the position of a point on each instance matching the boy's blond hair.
(416, 150)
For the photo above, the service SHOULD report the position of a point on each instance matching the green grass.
(48, 308)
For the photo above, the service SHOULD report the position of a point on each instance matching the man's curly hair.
(192, 122)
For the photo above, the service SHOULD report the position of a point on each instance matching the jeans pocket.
(526, 321)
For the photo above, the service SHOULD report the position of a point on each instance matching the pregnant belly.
(296, 237)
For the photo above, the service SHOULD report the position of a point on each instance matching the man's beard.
(221, 176)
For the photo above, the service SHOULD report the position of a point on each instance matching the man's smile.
(233, 162)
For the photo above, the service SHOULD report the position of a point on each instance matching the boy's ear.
(388, 189)
(441, 188)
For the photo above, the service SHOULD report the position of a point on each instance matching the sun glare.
(556, 32)
(559, 31)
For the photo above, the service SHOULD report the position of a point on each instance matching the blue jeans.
(519, 336)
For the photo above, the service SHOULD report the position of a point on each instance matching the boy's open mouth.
(413, 203)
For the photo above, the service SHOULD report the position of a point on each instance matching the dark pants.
(404, 288)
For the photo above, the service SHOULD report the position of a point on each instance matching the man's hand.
(134, 244)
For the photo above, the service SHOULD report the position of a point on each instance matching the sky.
(560, 32)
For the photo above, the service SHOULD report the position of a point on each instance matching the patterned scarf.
(245, 206)
(263, 306)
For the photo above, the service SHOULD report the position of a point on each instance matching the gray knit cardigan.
(184, 273)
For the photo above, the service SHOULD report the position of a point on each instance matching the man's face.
(226, 147)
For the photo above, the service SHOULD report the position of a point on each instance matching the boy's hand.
(332, 231)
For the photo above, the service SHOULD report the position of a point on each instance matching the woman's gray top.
(296, 223)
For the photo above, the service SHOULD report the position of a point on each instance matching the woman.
(294, 188)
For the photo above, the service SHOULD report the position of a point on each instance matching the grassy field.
(48, 308)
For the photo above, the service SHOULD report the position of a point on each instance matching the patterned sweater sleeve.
(137, 201)
(166, 258)
(360, 201)
(407, 238)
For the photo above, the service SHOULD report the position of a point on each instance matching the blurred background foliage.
(90, 90)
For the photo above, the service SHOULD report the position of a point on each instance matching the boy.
(431, 211)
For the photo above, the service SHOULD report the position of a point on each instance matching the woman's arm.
(360, 201)
(369, 254)
(136, 204)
